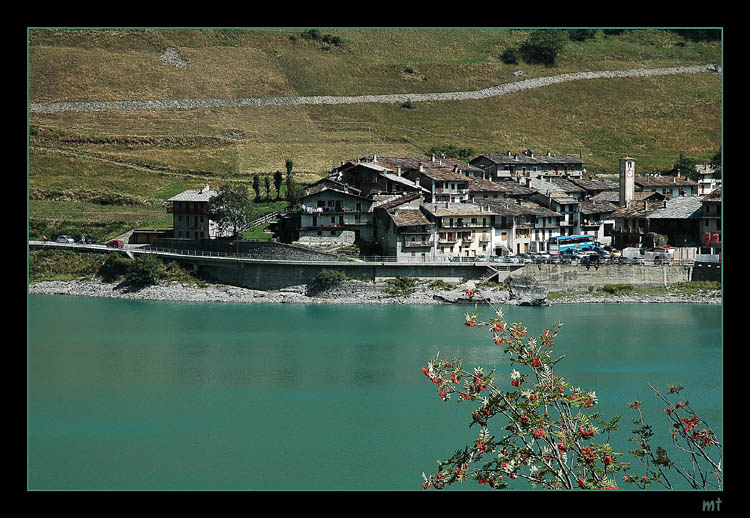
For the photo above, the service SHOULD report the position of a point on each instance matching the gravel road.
(188, 104)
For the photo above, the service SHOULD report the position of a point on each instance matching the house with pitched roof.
(189, 211)
(710, 226)
(514, 166)
(481, 190)
(462, 229)
(522, 226)
(335, 213)
(372, 178)
(403, 231)
(678, 218)
(668, 185)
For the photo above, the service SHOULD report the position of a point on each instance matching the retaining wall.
(272, 275)
(563, 277)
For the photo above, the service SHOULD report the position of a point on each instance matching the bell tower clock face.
(629, 169)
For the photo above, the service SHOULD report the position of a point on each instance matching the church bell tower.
(627, 180)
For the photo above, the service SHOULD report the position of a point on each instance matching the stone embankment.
(190, 104)
(518, 291)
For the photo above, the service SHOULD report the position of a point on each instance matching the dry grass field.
(151, 155)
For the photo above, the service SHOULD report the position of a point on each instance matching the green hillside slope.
(153, 154)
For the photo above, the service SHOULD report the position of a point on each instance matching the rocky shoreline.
(519, 292)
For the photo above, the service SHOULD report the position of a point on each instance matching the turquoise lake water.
(139, 395)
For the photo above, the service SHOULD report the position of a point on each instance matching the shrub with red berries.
(546, 435)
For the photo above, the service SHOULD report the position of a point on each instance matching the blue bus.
(559, 244)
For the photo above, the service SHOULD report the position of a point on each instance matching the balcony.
(415, 244)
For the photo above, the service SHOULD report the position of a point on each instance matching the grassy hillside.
(153, 155)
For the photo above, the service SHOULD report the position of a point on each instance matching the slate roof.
(597, 207)
(541, 159)
(391, 204)
(457, 209)
(679, 207)
(614, 196)
(204, 194)
(645, 181)
(513, 208)
(409, 217)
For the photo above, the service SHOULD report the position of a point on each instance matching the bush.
(543, 46)
(145, 271)
(511, 56)
(327, 279)
(114, 267)
(617, 289)
(401, 286)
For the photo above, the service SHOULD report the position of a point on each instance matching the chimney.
(432, 158)
(398, 171)
(421, 167)
(374, 157)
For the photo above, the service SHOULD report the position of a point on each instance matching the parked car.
(116, 243)
(65, 239)
(554, 259)
(624, 260)
(511, 259)
(636, 260)
(525, 258)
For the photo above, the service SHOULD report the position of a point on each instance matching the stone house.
(679, 219)
(403, 231)
(710, 226)
(669, 185)
(443, 183)
(373, 178)
(334, 213)
(462, 229)
(567, 206)
(528, 165)
(596, 219)
(189, 211)
(481, 190)
(522, 226)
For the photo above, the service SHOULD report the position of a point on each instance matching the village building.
(528, 165)
(668, 185)
(709, 179)
(335, 213)
(403, 231)
(522, 226)
(596, 219)
(189, 211)
(567, 206)
(677, 218)
(710, 226)
(462, 229)
(481, 190)
(444, 183)
(373, 178)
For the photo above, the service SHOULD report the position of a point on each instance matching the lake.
(143, 395)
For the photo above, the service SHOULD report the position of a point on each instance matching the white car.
(65, 239)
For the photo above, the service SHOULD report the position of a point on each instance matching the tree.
(267, 186)
(687, 167)
(547, 435)
(543, 46)
(293, 193)
(278, 179)
(289, 163)
(256, 186)
(231, 209)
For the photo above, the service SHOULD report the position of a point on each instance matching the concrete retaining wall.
(563, 277)
(266, 275)
(707, 271)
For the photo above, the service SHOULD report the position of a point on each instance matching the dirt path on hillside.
(188, 104)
